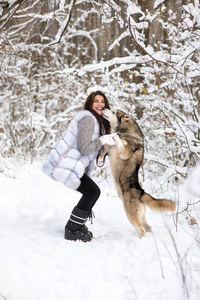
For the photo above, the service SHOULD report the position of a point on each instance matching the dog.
(126, 157)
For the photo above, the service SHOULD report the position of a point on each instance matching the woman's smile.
(98, 104)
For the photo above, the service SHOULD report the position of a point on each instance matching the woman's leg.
(90, 193)
(75, 228)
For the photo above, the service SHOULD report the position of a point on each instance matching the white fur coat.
(65, 162)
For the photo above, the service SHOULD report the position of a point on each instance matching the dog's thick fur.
(126, 158)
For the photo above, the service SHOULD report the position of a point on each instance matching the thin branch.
(12, 9)
(3, 297)
(161, 266)
(130, 30)
(180, 263)
(186, 209)
(150, 55)
(64, 24)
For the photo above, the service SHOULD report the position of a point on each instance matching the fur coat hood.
(65, 162)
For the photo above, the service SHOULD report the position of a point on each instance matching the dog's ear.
(126, 118)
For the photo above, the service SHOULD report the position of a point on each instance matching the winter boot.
(75, 228)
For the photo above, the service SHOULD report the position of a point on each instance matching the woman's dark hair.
(104, 125)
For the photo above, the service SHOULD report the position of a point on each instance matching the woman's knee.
(97, 192)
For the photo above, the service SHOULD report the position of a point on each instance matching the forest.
(144, 55)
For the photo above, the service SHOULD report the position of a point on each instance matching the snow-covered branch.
(64, 24)
(8, 11)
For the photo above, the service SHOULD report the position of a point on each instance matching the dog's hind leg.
(145, 224)
(138, 226)
(136, 222)
(135, 216)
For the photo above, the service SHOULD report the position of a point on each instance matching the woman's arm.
(84, 138)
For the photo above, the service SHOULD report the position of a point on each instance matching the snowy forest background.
(143, 54)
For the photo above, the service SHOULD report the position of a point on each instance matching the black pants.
(90, 191)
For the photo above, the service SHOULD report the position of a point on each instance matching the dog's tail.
(158, 204)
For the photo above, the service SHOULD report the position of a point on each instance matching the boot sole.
(70, 237)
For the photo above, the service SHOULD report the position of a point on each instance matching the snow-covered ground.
(37, 263)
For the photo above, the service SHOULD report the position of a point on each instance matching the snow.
(193, 9)
(157, 3)
(193, 183)
(133, 9)
(117, 41)
(37, 263)
(107, 64)
(114, 6)
(11, 2)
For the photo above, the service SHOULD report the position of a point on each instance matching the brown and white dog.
(126, 158)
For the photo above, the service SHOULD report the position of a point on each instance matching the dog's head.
(116, 118)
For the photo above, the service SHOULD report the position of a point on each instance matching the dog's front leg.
(122, 148)
(107, 148)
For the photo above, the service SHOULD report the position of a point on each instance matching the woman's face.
(98, 104)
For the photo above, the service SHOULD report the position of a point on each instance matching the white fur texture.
(65, 163)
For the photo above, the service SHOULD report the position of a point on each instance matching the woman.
(72, 159)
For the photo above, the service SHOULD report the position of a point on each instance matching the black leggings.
(90, 191)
